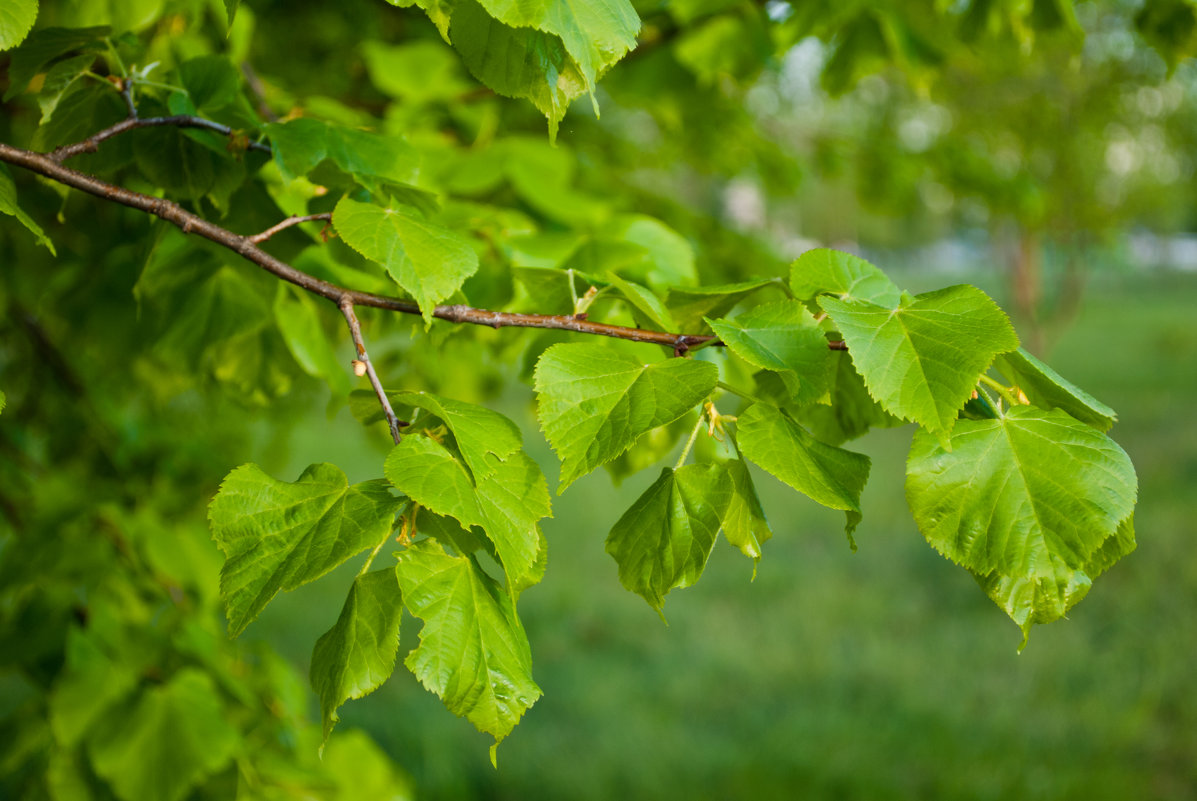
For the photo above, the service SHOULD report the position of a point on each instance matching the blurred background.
(1043, 151)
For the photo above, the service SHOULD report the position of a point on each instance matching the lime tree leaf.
(3, 401)
(59, 79)
(473, 651)
(278, 535)
(691, 305)
(664, 540)
(212, 82)
(298, 321)
(595, 402)
(832, 476)
(922, 360)
(821, 271)
(517, 62)
(648, 305)
(16, 19)
(852, 411)
(783, 337)
(1047, 389)
(357, 654)
(428, 261)
(168, 741)
(669, 255)
(45, 46)
(8, 205)
(1113, 549)
(1025, 502)
(596, 33)
(744, 522)
(372, 159)
(507, 500)
(230, 9)
(478, 431)
(90, 684)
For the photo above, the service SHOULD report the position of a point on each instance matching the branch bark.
(92, 143)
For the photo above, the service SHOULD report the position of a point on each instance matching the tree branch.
(258, 239)
(48, 165)
(92, 143)
(355, 330)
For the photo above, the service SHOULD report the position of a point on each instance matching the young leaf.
(783, 337)
(277, 535)
(1025, 502)
(473, 651)
(357, 654)
(428, 261)
(832, 476)
(922, 360)
(16, 18)
(174, 736)
(744, 522)
(664, 539)
(298, 321)
(1047, 389)
(594, 402)
(506, 500)
(8, 205)
(830, 271)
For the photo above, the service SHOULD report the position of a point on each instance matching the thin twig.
(258, 239)
(259, 92)
(355, 330)
(92, 143)
(127, 94)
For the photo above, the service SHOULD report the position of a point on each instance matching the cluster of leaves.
(1010, 475)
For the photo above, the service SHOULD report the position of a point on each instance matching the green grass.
(881, 674)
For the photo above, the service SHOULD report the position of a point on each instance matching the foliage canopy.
(398, 181)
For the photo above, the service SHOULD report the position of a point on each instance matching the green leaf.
(427, 261)
(832, 476)
(506, 498)
(230, 8)
(374, 160)
(852, 411)
(473, 651)
(298, 321)
(174, 736)
(595, 402)
(16, 20)
(8, 205)
(59, 79)
(3, 401)
(783, 337)
(691, 305)
(744, 522)
(418, 72)
(922, 360)
(648, 305)
(212, 82)
(479, 431)
(90, 684)
(517, 62)
(357, 654)
(278, 535)
(45, 46)
(664, 540)
(1048, 389)
(596, 33)
(830, 271)
(1025, 502)
(670, 256)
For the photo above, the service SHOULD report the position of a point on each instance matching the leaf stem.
(1001, 389)
(732, 390)
(689, 443)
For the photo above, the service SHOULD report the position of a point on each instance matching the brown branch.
(48, 166)
(355, 330)
(258, 239)
(92, 143)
